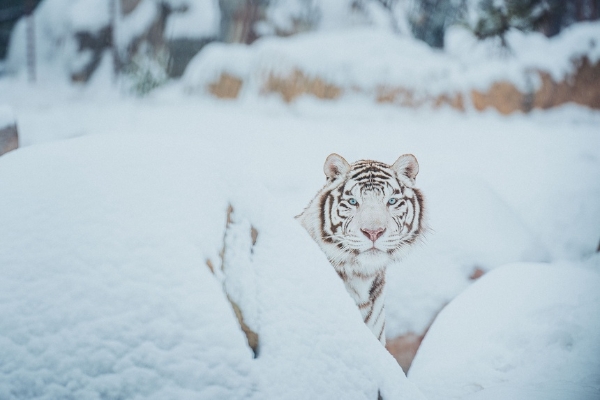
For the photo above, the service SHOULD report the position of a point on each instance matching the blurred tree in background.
(10, 12)
(493, 18)
(429, 19)
(243, 21)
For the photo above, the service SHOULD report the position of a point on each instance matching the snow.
(498, 190)
(7, 117)
(232, 59)
(541, 342)
(282, 15)
(90, 305)
(89, 15)
(466, 236)
(293, 16)
(112, 205)
(201, 19)
(134, 24)
(107, 301)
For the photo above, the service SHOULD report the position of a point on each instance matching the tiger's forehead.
(368, 163)
(365, 171)
(372, 176)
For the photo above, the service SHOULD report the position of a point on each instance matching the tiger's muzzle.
(373, 234)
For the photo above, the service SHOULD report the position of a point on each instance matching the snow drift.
(523, 331)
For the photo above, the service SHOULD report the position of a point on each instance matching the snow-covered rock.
(105, 291)
(523, 331)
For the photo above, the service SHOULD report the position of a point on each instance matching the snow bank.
(364, 58)
(105, 291)
(523, 331)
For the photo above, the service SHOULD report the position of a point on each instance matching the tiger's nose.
(373, 234)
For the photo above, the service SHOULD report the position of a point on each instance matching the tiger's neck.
(368, 292)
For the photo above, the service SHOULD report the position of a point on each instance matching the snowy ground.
(124, 199)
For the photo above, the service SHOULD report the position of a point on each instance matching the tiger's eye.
(392, 201)
(352, 201)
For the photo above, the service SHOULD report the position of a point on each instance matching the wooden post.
(114, 11)
(30, 28)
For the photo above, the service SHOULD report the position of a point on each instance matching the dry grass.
(404, 348)
(297, 83)
(582, 87)
(227, 87)
(503, 96)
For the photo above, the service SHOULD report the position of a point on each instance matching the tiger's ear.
(335, 165)
(407, 165)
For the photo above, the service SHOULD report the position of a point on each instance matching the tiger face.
(367, 212)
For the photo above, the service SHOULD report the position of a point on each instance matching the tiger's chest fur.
(364, 218)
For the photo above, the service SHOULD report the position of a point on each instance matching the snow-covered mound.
(105, 292)
(523, 331)
(395, 68)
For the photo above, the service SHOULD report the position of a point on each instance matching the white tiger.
(364, 218)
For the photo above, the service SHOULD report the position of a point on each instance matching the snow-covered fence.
(9, 137)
